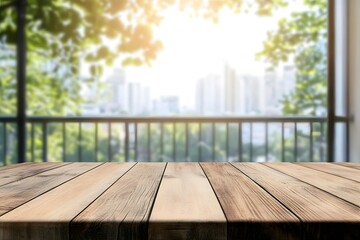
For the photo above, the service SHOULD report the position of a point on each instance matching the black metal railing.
(167, 139)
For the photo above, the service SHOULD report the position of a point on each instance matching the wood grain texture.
(48, 216)
(252, 213)
(14, 194)
(324, 216)
(103, 201)
(346, 189)
(186, 206)
(16, 165)
(122, 212)
(349, 164)
(20, 171)
(335, 169)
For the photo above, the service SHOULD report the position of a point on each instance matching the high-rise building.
(209, 97)
(253, 94)
(167, 105)
(277, 86)
(230, 91)
(271, 88)
(273, 92)
(89, 94)
(240, 96)
(138, 99)
(145, 100)
(134, 100)
(289, 79)
(114, 99)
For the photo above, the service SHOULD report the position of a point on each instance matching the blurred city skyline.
(196, 49)
(229, 93)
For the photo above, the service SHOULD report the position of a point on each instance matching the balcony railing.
(167, 139)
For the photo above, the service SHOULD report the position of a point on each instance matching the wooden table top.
(180, 201)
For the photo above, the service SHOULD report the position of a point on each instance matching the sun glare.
(196, 47)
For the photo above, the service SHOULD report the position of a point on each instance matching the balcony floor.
(180, 201)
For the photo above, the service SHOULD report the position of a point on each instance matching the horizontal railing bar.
(8, 119)
(171, 119)
(343, 119)
(41, 119)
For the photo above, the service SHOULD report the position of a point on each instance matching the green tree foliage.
(309, 96)
(51, 86)
(61, 33)
(66, 31)
(80, 26)
(302, 37)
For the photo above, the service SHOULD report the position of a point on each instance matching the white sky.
(194, 48)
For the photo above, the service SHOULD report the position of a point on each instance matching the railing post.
(21, 80)
(96, 141)
(148, 142)
(44, 142)
(32, 142)
(331, 82)
(80, 143)
(64, 141)
(174, 142)
(199, 142)
(282, 142)
(187, 141)
(295, 142)
(126, 142)
(240, 142)
(213, 141)
(136, 141)
(109, 141)
(311, 143)
(266, 142)
(251, 142)
(227, 142)
(5, 143)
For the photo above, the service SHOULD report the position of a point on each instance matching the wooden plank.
(48, 216)
(186, 206)
(335, 169)
(14, 194)
(346, 189)
(22, 171)
(251, 212)
(349, 164)
(122, 212)
(324, 216)
(2, 168)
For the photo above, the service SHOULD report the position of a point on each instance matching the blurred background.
(168, 80)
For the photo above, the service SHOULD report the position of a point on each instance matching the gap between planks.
(251, 212)
(20, 192)
(134, 194)
(186, 206)
(349, 172)
(349, 164)
(41, 218)
(329, 217)
(343, 188)
(22, 171)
